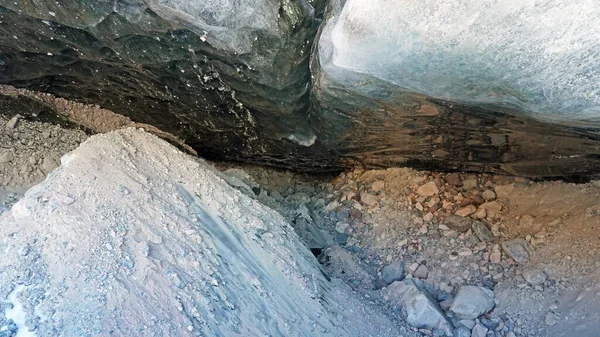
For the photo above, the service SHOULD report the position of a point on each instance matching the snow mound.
(131, 237)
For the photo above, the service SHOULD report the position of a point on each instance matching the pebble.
(428, 217)
(479, 331)
(488, 195)
(491, 208)
(469, 184)
(518, 249)
(428, 190)
(422, 272)
(482, 231)
(495, 257)
(551, 319)
(534, 276)
(462, 332)
(12, 123)
(454, 179)
(6, 156)
(466, 211)
(49, 164)
(458, 223)
(368, 199)
(465, 252)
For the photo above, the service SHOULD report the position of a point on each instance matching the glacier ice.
(539, 57)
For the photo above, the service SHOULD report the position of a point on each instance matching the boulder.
(518, 249)
(422, 311)
(472, 301)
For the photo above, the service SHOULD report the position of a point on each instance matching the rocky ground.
(29, 149)
(440, 253)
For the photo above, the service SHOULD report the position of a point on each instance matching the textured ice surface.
(540, 56)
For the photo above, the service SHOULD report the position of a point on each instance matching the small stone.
(48, 164)
(428, 217)
(453, 256)
(413, 267)
(469, 323)
(481, 213)
(428, 190)
(341, 227)
(469, 184)
(378, 186)
(551, 319)
(454, 179)
(12, 123)
(466, 211)
(472, 301)
(423, 230)
(518, 249)
(489, 195)
(482, 231)
(332, 206)
(422, 272)
(510, 334)
(492, 208)
(491, 324)
(465, 252)
(462, 332)
(495, 257)
(6, 156)
(479, 331)
(534, 276)
(368, 199)
(458, 223)
(393, 272)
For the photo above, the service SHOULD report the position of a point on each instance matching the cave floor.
(429, 221)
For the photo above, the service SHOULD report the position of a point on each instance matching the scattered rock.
(518, 249)
(454, 179)
(422, 272)
(472, 301)
(422, 311)
(466, 211)
(481, 213)
(469, 184)
(368, 199)
(428, 190)
(495, 257)
(12, 123)
(393, 272)
(489, 195)
(458, 223)
(534, 276)
(6, 156)
(551, 319)
(49, 164)
(479, 331)
(491, 208)
(462, 332)
(469, 323)
(482, 231)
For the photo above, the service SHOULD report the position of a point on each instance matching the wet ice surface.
(539, 56)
